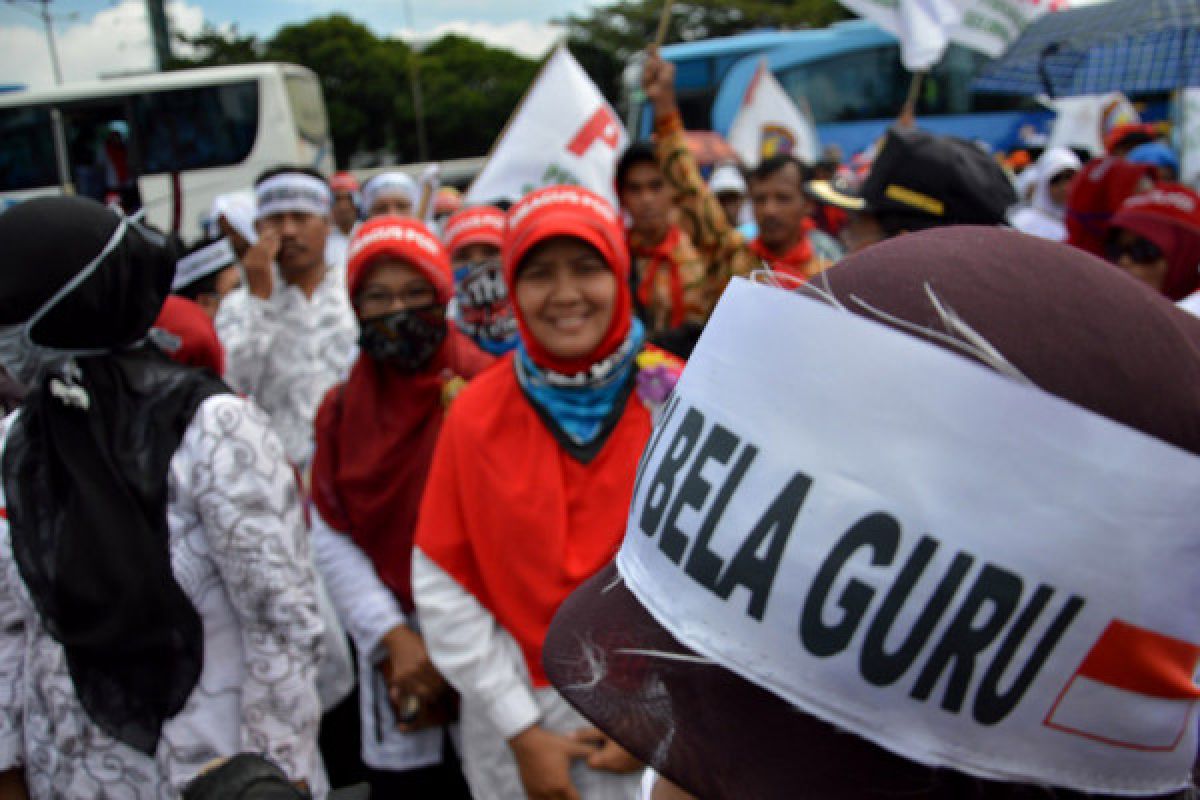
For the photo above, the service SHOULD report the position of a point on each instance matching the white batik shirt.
(240, 552)
(287, 351)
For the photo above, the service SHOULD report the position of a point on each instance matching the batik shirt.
(240, 552)
(287, 351)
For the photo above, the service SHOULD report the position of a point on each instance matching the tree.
(607, 37)
(362, 77)
(470, 90)
(214, 48)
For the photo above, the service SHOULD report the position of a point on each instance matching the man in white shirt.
(290, 332)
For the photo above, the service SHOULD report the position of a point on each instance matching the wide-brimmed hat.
(969, 561)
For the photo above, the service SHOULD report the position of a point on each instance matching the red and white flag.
(768, 123)
(563, 132)
(1135, 689)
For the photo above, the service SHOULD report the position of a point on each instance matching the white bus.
(169, 141)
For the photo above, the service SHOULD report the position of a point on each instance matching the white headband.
(389, 184)
(969, 572)
(293, 191)
(203, 262)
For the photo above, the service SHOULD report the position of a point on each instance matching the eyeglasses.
(377, 300)
(1139, 250)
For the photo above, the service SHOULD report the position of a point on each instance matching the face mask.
(405, 339)
(28, 361)
(484, 311)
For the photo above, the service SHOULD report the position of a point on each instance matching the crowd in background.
(416, 431)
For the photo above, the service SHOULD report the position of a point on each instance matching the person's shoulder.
(227, 412)
(488, 394)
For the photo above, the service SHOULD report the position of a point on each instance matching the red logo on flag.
(1134, 689)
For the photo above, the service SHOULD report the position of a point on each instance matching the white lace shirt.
(241, 554)
(287, 351)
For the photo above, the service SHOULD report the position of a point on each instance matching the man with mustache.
(289, 333)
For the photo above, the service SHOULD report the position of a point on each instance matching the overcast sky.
(108, 36)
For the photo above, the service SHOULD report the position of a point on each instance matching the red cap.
(1169, 216)
(1142, 130)
(343, 182)
(478, 225)
(403, 238)
(583, 214)
(185, 333)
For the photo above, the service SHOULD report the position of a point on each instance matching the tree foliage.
(469, 89)
(607, 37)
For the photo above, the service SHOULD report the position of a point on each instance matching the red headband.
(403, 238)
(478, 225)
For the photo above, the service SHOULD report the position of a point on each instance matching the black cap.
(949, 180)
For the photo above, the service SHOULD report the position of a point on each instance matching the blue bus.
(849, 75)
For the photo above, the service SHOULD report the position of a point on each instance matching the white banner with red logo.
(961, 568)
(769, 123)
(563, 132)
(926, 27)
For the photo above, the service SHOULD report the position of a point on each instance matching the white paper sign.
(1189, 138)
(1081, 122)
(563, 132)
(768, 123)
(967, 571)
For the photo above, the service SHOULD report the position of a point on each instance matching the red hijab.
(513, 517)
(376, 432)
(1096, 194)
(1168, 216)
(569, 211)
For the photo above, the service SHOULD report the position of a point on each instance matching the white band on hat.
(389, 184)
(293, 191)
(202, 262)
(967, 571)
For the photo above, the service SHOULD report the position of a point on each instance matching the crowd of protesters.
(333, 497)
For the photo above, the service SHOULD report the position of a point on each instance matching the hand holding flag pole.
(663, 22)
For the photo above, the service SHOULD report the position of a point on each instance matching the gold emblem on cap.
(915, 199)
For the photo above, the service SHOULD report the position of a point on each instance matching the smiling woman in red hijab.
(375, 438)
(527, 498)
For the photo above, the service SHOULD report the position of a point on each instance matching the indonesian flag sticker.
(1135, 689)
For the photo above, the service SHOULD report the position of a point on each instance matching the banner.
(926, 27)
(1189, 138)
(910, 571)
(768, 123)
(563, 132)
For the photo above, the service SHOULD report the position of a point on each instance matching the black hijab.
(85, 465)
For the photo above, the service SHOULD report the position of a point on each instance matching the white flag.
(926, 27)
(563, 132)
(768, 123)
(1082, 121)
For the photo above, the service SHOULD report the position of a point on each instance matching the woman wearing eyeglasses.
(375, 437)
(1155, 237)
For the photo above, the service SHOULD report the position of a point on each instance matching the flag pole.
(664, 22)
(908, 112)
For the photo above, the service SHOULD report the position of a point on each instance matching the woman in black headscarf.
(157, 605)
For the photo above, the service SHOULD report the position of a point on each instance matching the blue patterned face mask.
(25, 359)
(484, 310)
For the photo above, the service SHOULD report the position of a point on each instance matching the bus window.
(863, 84)
(186, 129)
(308, 109)
(26, 149)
